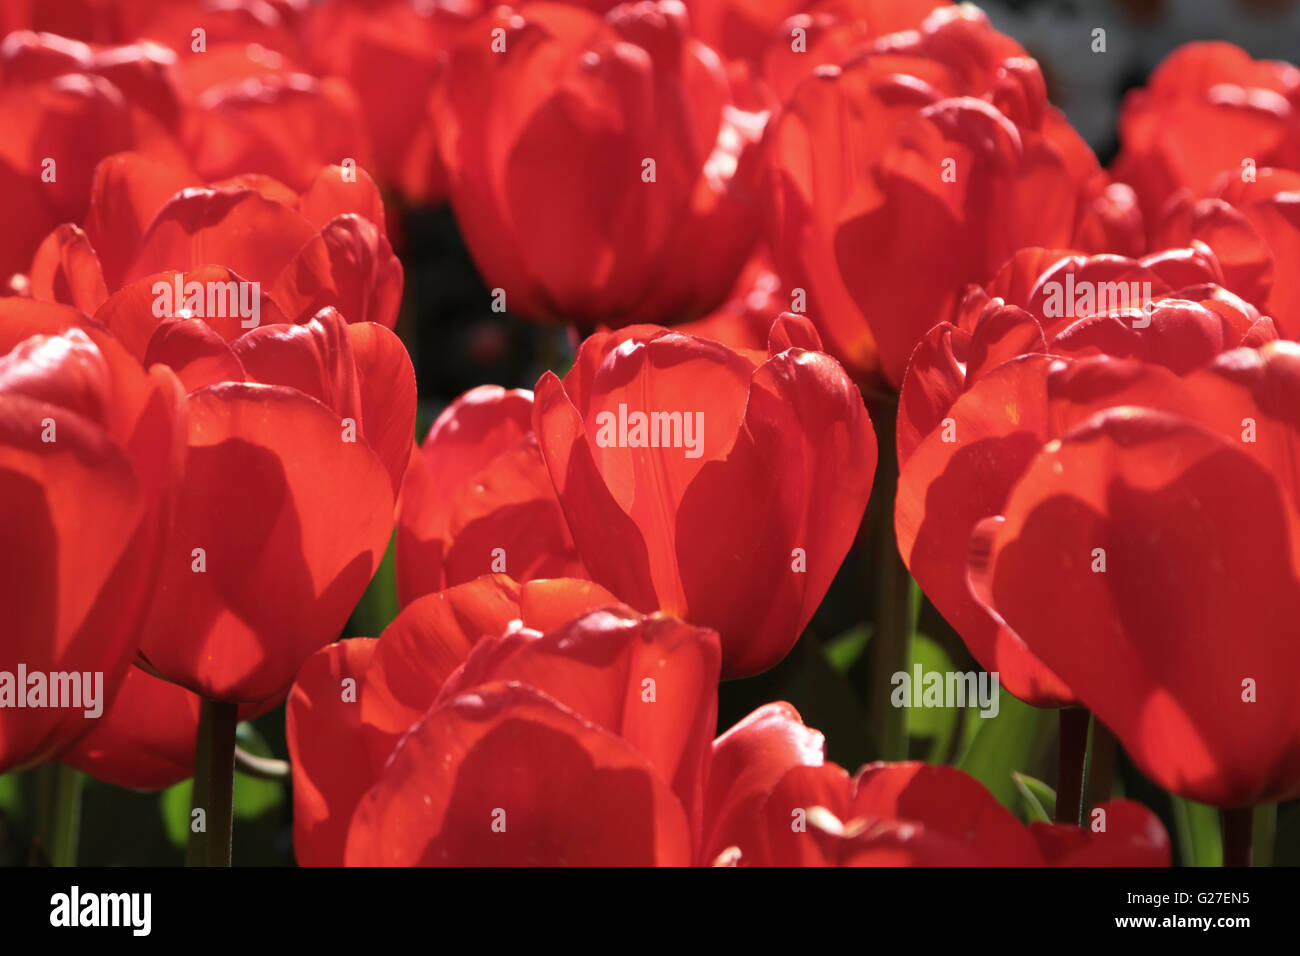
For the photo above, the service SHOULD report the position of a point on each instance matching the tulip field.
(691, 433)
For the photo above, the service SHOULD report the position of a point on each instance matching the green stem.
(214, 785)
(1265, 832)
(894, 613)
(58, 820)
(1200, 840)
(1102, 752)
(1238, 827)
(1071, 753)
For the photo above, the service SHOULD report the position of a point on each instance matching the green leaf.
(936, 724)
(843, 651)
(1036, 798)
(1001, 745)
(1200, 839)
(253, 797)
(378, 605)
(174, 807)
(11, 796)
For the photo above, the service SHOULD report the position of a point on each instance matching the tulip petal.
(66, 269)
(948, 801)
(134, 312)
(1142, 643)
(283, 565)
(797, 479)
(1130, 835)
(748, 761)
(332, 767)
(505, 776)
(423, 645)
(947, 486)
(650, 681)
(195, 352)
(609, 541)
(128, 192)
(234, 227)
(387, 383)
(336, 192)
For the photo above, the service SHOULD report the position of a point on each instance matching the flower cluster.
(810, 257)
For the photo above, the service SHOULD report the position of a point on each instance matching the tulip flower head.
(716, 485)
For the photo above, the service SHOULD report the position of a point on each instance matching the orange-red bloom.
(917, 167)
(1207, 108)
(63, 108)
(234, 288)
(389, 51)
(268, 559)
(1150, 556)
(90, 448)
(477, 499)
(976, 406)
(599, 169)
(588, 740)
(721, 487)
(775, 802)
(534, 699)
(149, 221)
(1254, 229)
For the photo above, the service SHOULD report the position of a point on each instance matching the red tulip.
(830, 33)
(775, 802)
(146, 740)
(267, 561)
(699, 483)
(269, 23)
(238, 108)
(145, 73)
(974, 409)
(323, 247)
(918, 167)
(750, 29)
(660, 227)
(1254, 229)
(389, 51)
(252, 102)
(477, 499)
(90, 448)
(748, 761)
(1163, 600)
(740, 30)
(587, 741)
(914, 814)
(63, 110)
(282, 126)
(1207, 108)
(354, 757)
